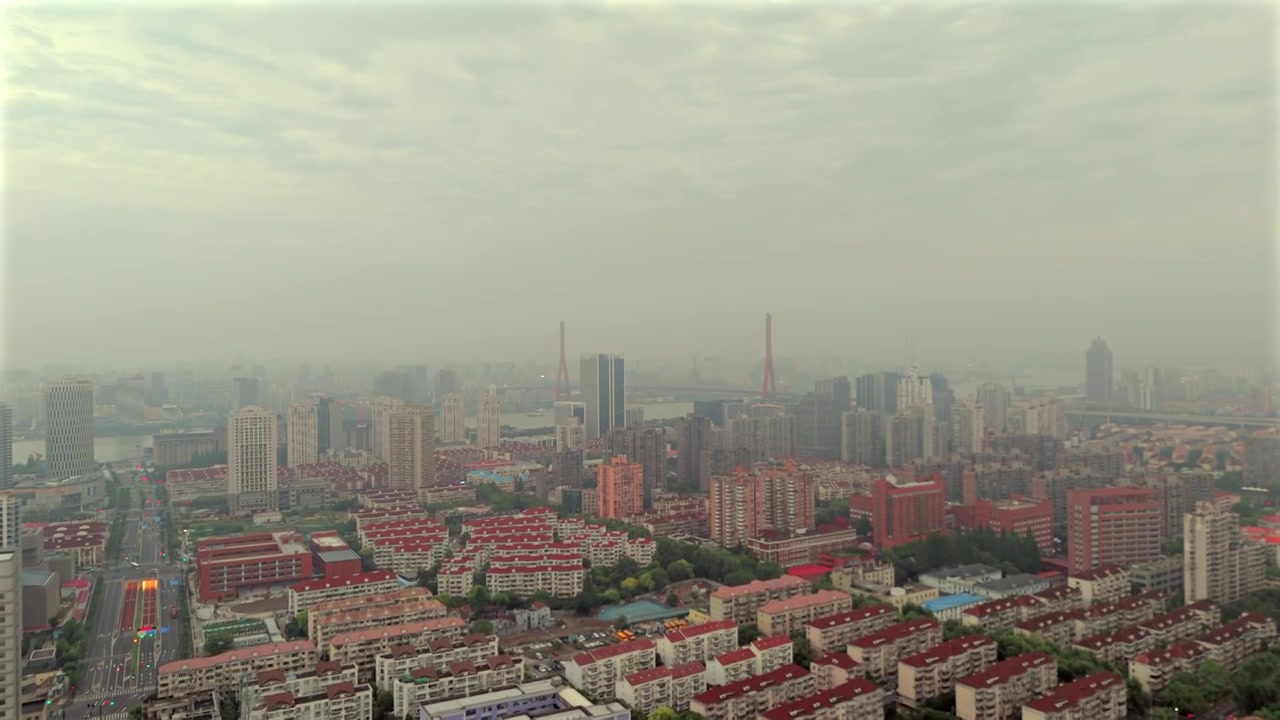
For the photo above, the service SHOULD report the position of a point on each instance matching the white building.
(453, 419)
(252, 476)
(914, 391)
(410, 447)
(967, 426)
(302, 435)
(489, 421)
(380, 437)
(68, 418)
(995, 401)
(571, 436)
(10, 633)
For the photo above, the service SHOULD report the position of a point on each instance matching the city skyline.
(1001, 197)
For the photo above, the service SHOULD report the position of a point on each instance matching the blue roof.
(947, 602)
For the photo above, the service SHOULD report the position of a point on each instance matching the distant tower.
(562, 375)
(770, 383)
(68, 413)
(302, 434)
(1098, 380)
(489, 420)
(252, 470)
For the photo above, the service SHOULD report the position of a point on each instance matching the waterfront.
(125, 447)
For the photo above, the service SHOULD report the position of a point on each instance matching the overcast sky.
(996, 183)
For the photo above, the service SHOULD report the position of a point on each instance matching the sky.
(993, 183)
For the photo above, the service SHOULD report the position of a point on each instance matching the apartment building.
(426, 685)
(665, 686)
(1163, 575)
(1235, 641)
(771, 652)
(1119, 646)
(309, 593)
(224, 672)
(934, 672)
(455, 580)
(439, 654)
(1057, 598)
(740, 603)
(1056, 627)
(361, 647)
(1162, 630)
(857, 699)
(732, 666)
(753, 696)
(999, 692)
(543, 698)
(339, 701)
(320, 613)
(960, 578)
(1104, 583)
(879, 652)
(1219, 563)
(563, 581)
(1154, 669)
(834, 669)
(783, 617)
(277, 694)
(324, 629)
(997, 615)
(1115, 525)
(596, 672)
(1100, 696)
(697, 643)
(831, 633)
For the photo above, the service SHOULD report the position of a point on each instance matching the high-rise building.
(635, 416)
(878, 392)
(647, 446)
(764, 435)
(604, 392)
(744, 504)
(10, 633)
(380, 408)
(995, 401)
(1262, 461)
(914, 391)
(453, 416)
(571, 436)
(1098, 379)
(568, 468)
(411, 435)
(489, 421)
(693, 452)
(302, 435)
(249, 391)
(862, 438)
(566, 409)
(6, 447)
(1040, 416)
(910, 436)
(68, 413)
(252, 470)
(397, 384)
(968, 426)
(1118, 526)
(131, 399)
(330, 432)
(1218, 563)
(621, 488)
(906, 509)
(10, 520)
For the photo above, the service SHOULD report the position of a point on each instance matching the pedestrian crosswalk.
(117, 715)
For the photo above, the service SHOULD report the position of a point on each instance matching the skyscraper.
(646, 446)
(968, 426)
(621, 487)
(6, 447)
(302, 435)
(252, 471)
(10, 633)
(862, 438)
(995, 401)
(330, 433)
(693, 452)
(411, 448)
(604, 392)
(489, 421)
(878, 392)
(914, 391)
(1218, 563)
(381, 406)
(131, 399)
(249, 391)
(453, 418)
(1098, 379)
(10, 521)
(68, 412)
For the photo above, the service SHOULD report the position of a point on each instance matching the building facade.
(453, 418)
(68, 416)
(489, 420)
(1117, 525)
(604, 393)
(302, 435)
(252, 469)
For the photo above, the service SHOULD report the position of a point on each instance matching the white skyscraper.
(302, 435)
(453, 419)
(571, 436)
(10, 521)
(967, 426)
(6, 447)
(995, 400)
(489, 421)
(381, 406)
(252, 473)
(68, 413)
(914, 391)
(10, 633)
(411, 447)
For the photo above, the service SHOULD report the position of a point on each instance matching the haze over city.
(990, 185)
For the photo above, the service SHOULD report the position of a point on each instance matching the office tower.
(252, 471)
(1118, 526)
(302, 435)
(878, 392)
(604, 392)
(647, 446)
(736, 509)
(862, 438)
(1219, 564)
(818, 418)
(68, 413)
(131, 399)
(914, 391)
(489, 421)
(943, 400)
(995, 401)
(10, 520)
(6, 447)
(693, 452)
(1098, 379)
(968, 426)
(764, 436)
(906, 509)
(411, 436)
(1262, 461)
(635, 416)
(621, 488)
(379, 409)
(10, 633)
(714, 409)
(908, 437)
(453, 416)
(565, 410)
(1040, 416)
(330, 435)
(569, 465)
(249, 391)
(571, 436)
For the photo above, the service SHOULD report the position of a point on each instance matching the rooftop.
(822, 597)
(1013, 582)
(852, 616)
(1072, 693)
(1007, 669)
(759, 587)
(813, 704)
(948, 602)
(963, 572)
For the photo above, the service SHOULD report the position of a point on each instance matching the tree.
(384, 705)
(863, 526)
(218, 643)
(611, 597)
(801, 650)
(297, 626)
(664, 713)
(621, 623)
(673, 600)
(680, 570)
(630, 586)
(1215, 680)
(747, 634)
(1183, 694)
(135, 713)
(483, 627)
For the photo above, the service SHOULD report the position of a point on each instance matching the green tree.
(297, 626)
(664, 713)
(1183, 694)
(482, 626)
(218, 643)
(747, 634)
(801, 650)
(621, 623)
(680, 570)
(611, 597)
(673, 600)
(1215, 680)
(384, 705)
(630, 586)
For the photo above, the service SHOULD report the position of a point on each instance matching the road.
(120, 667)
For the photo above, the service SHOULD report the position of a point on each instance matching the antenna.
(770, 383)
(562, 374)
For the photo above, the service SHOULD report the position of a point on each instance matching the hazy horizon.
(385, 184)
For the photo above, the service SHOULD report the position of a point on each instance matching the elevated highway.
(1133, 417)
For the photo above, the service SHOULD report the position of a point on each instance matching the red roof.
(851, 616)
(894, 633)
(361, 579)
(839, 659)
(809, 572)
(700, 629)
(687, 669)
(733, 657)
(948, 650)
(770, 641)
(747, 686)
(588, 657)
(1072, 693)
(1007, 669)
(843, 693)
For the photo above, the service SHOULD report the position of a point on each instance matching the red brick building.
(1118, 525)
(621, 487)
(226, 564)
(903, 511)
(1018, 515)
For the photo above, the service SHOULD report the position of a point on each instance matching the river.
(125, 447)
